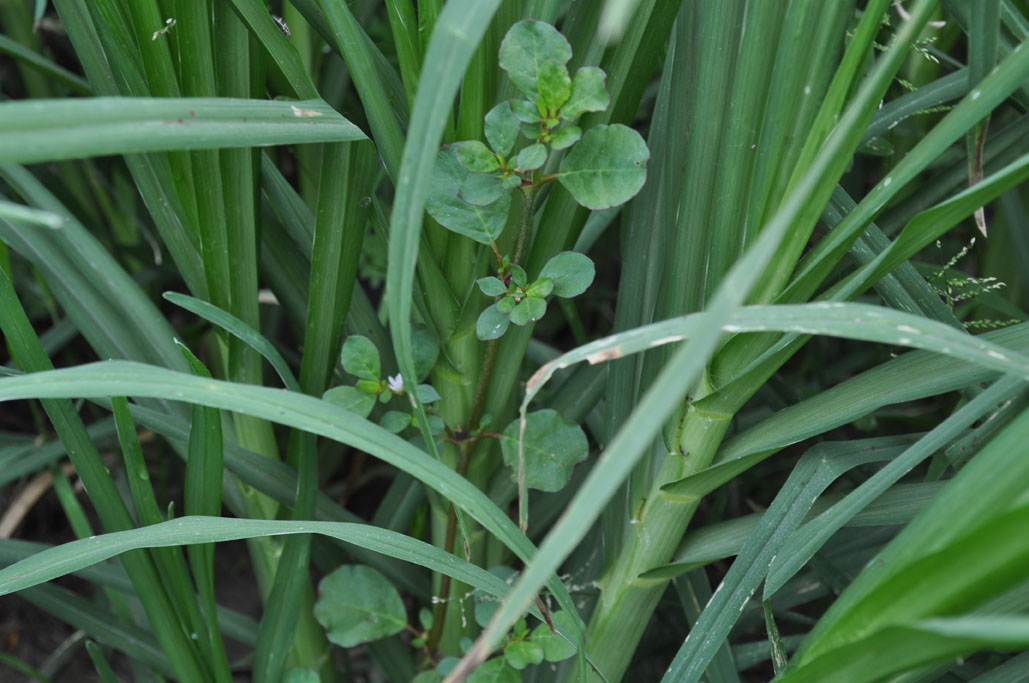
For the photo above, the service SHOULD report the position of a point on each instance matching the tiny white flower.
(396, 383)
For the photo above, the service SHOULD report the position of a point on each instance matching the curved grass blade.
(58, 561)
(79, 612)
(240, 329)
(307, 413)
(799, 550)
(56, 71)
(898, 505)
(905, 646)
(278, 481)
(457, 32)
(972, 508)
(48, 130)
(25, 347)
(912, 376)
(836, 319)
(815, 472)
(16, 212)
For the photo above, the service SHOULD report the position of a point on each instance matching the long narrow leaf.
(47, 130)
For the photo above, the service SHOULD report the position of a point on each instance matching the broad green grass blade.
(901, 647)
(107, 305)
(716, 28)
(48, 130)
(815, 472)
(90, 467)
(300, 412)
(975, 500)
(908, 378)
(458, 32)
(57, 561)
(837, 319)
(346, 177)
(259, 20)
(203, 495)
(358, 51)
(804, 545)
(121, 634)
(695, 592)
(994, 89)
(278, 481)
(714, 542)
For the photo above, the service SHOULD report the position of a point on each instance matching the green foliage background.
(781, 433)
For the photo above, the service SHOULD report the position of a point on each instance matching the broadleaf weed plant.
(519, 340)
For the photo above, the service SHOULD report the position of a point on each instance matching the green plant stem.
(480, 389)
(526, 225)
(489, 360)
(627, 601)
(439, 615)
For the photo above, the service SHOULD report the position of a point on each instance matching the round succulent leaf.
(532, 131)
(360, 358)
(587, 94)
(528, 310)
(484, 610)
(480, 223)
(506, 304)
(425, 348)
(510, 182)
(495, 670)
(606, 168)
(555, 85)
(447, 664)
(492, 324)
(357, 604)
(482, 189)
(553, 446)
(429, 677)
(566, 137)
(525, 111)
(518, 275)
(477, 157)
(425, 618)
(492, 286)
(385, 396)
(571, 273)
(521, 653)
(501, 127)
(395, 421)
(436, 424)
(427, 394)
(351, 399)
(527, 45)
(555, 648)
(540, 288)
(531, 157)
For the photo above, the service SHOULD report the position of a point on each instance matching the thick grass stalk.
(627, 601)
